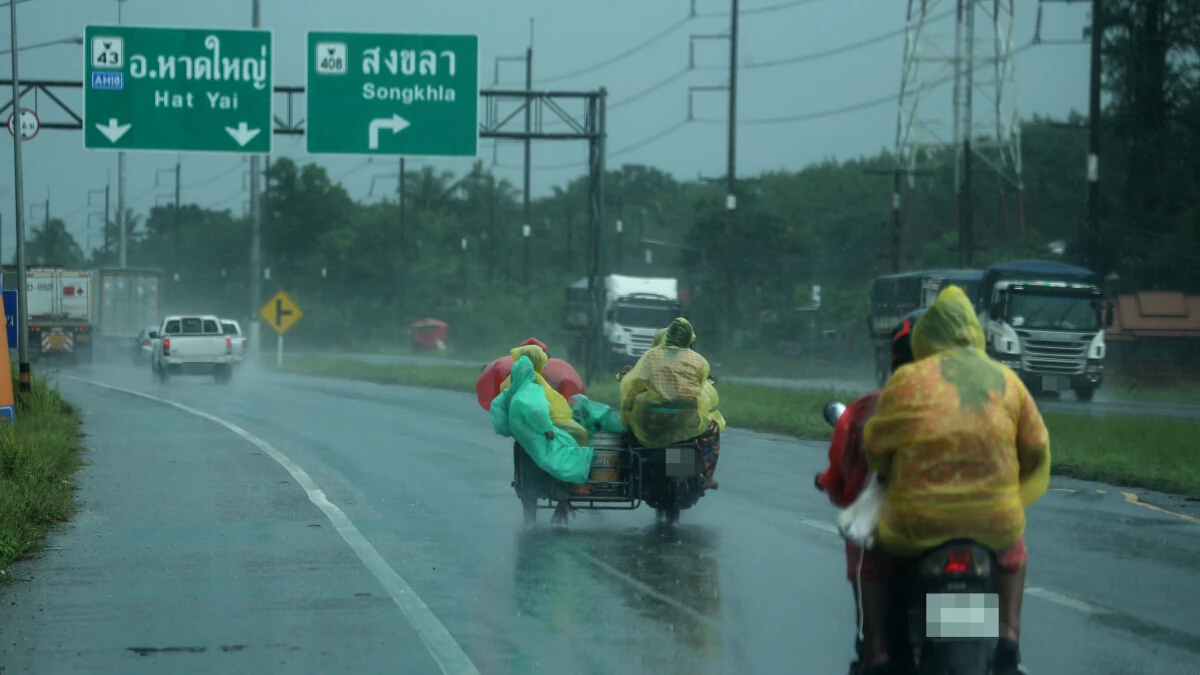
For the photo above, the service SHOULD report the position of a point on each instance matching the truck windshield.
(645, 317)
(230, 329)
(1053, 312)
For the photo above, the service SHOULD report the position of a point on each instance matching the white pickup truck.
(192, 345)
(241, 344)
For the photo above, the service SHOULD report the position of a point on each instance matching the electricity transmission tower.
(969, 44)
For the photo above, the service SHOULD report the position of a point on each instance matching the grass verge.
(38, 455)
(1160, 454)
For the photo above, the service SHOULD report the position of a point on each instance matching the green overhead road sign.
(177, 89)
(392, 94)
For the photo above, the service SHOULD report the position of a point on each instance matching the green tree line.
(361, 278)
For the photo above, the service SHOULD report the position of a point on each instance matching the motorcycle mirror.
(833, 412)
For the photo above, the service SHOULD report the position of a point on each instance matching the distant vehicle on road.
(192, 345)
(895, 295)
(241, 343)
(143, 346)
(1046, 321)
(60, 313)
(123, 302)
(632, 310)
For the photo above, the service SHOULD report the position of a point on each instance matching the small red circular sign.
(30, 124)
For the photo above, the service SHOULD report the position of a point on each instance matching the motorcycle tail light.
(958, 561)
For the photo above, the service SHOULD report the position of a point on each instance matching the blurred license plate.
(962, 615)
(1055, 383)
(681, 461)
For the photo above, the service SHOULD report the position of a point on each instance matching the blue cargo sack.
(522, 412)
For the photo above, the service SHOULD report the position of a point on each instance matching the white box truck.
(125, 302)
(633, 310)
(60, 312)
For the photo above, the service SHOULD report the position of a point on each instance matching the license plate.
(962, 615)
(681, 462)
(1055, 383)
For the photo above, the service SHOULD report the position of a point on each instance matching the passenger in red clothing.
(844, 479)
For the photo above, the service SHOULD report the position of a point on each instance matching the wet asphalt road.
(196, 551)
(1103, 404)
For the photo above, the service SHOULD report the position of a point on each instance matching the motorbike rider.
(963, 450)
(842, 481)
(668, 398)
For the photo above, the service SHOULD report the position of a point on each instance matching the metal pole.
(255, 231)
(491, 269)
(107, 250)
(528, 142)
(178, 170)
(1093, 161)
(958, 49)
(400, 206)
(731, 177)
(122, 253)
(279, 352)
(19, 200)
(966, 244)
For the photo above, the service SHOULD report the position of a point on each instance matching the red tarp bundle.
(558, 373)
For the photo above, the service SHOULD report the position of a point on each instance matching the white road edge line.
(441, 645)
(1051, 596)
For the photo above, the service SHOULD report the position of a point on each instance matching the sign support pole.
(279, 352)
(19, 200)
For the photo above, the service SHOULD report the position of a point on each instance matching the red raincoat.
(847, 471)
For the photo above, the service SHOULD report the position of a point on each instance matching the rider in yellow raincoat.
(560, 410)
(963, 449)
(667, 397)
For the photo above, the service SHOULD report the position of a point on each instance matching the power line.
(348, 173)
(215, 177)
(882, 37)
(637, 145)
(854, 107)
(657, 86)
(760, 10)
(621, 56)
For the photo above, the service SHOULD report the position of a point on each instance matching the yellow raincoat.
(667, 398)
(560, 410)
(958, 437)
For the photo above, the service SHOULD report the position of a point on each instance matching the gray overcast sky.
(569, 35)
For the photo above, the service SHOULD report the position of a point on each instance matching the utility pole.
(400, 207)
(526, 231)
(18, 199)
(107, 190)
(620, 249)
(491, 270)
(528, 141)
(731, 178)
(966, 244)
(122, 252)
(255, 231)
(1092, 231)
(178, 170)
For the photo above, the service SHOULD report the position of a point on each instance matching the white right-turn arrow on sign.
(113, 131)
(396, 123)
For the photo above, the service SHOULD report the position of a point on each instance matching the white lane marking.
(1051, 596)
(1058, 598)
(648, 590)
(441, 645)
